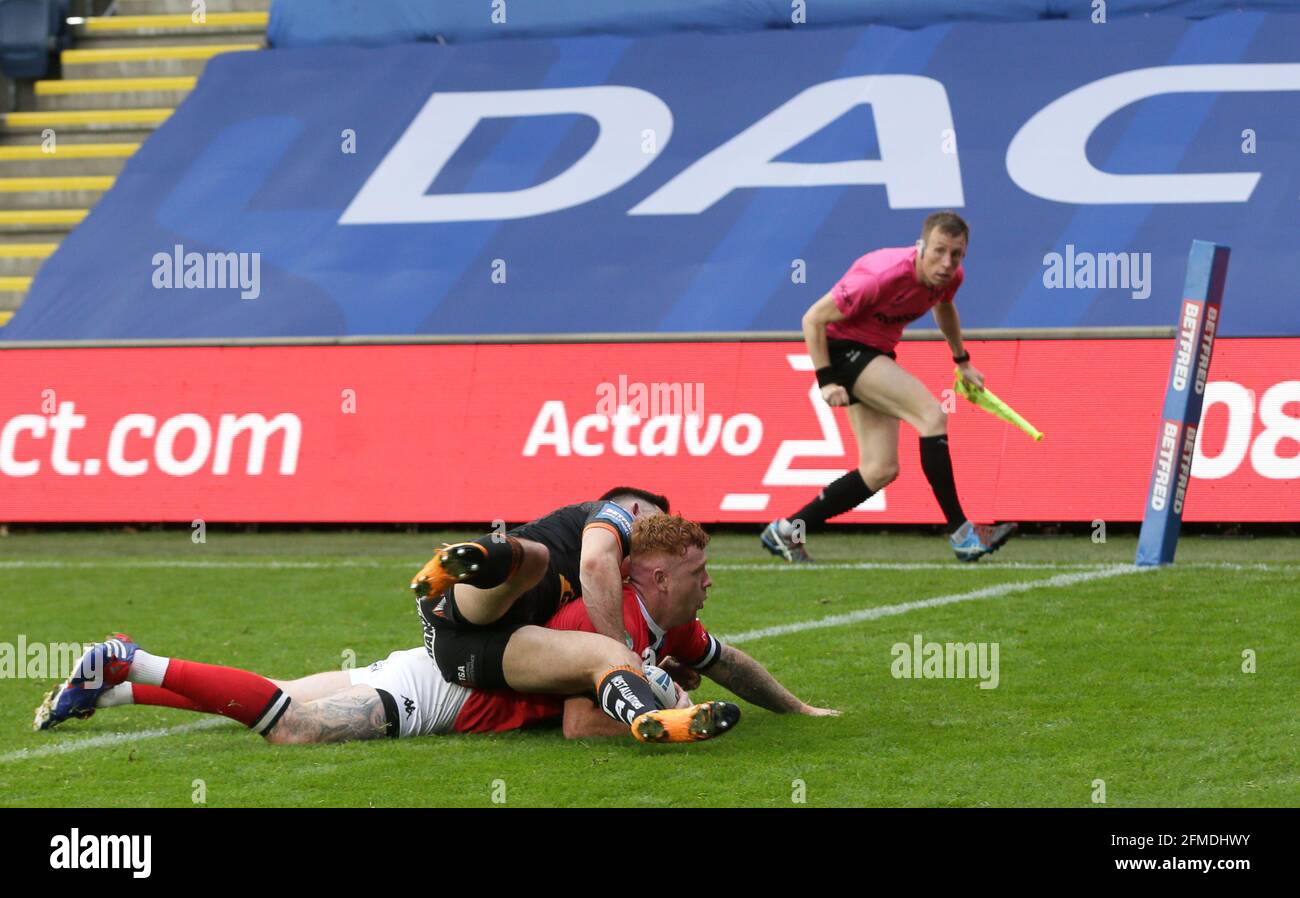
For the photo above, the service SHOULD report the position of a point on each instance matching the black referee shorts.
(848, 359)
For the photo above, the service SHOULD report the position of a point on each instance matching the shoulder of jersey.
(616, 515)
(612, 511)
(888, 272)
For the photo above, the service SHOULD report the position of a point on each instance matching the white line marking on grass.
(911, 566)
(985, 566)
(126, 563)
(155, 563)
(109, 740)
(989, 592)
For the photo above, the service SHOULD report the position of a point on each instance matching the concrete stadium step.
(53, 193)
(112, 93)
(15, 284)
(25, 237)
(42, 222)
(22, 259)
(185, 7)
(84, 120)
(148, 61)
(134, 31)
(12, 292)
(180, 22)
(66, 135)
(33, 160)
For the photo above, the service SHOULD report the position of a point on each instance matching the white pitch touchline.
(110, 739)
(838, 620)
(915, 566)
(719, 566)
(865, 614)
(987, 566)
(148, 563)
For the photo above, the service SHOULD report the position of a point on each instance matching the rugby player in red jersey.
(486, 601)
(405, 695)
(851, 333)
(667, 586)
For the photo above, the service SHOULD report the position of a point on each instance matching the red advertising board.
(730, 431)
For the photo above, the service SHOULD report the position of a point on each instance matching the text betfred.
(1166, 457)
(1164, 465)
(628, 434)
(1186, 345)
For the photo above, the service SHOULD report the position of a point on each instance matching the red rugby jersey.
(498, 710)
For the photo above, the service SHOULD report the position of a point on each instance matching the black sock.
(840, 496)
(936, 462)
(504, 555)
(625, 694)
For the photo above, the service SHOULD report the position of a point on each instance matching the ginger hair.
(671, 534)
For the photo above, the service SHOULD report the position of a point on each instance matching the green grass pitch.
(1133, 679)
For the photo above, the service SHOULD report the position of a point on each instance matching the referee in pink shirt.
(851, 333)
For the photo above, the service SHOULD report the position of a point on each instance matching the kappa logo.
(409, 706)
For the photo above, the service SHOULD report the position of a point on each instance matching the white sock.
(121, 694)
(148, 669)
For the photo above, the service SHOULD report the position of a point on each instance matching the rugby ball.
(665, 689)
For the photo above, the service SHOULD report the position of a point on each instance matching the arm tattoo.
(356, 713)
(741, 674)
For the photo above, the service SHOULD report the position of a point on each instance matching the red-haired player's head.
(668, 568)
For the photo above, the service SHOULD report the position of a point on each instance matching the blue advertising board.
(692, 182)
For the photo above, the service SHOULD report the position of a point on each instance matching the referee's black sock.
(625, 694)
(936, 462)
(843, 494)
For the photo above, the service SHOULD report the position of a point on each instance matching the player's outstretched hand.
(810, 711)
(686, 677)
(835, 394)
(972, 375)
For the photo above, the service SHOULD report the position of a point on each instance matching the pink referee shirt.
(880, 295)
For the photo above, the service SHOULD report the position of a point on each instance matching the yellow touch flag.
(993, 405)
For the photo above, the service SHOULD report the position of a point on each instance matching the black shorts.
(472, 655)
(467, 654)
(848, 360)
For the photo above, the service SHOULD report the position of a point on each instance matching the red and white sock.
(142, 694)
(241, 695)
